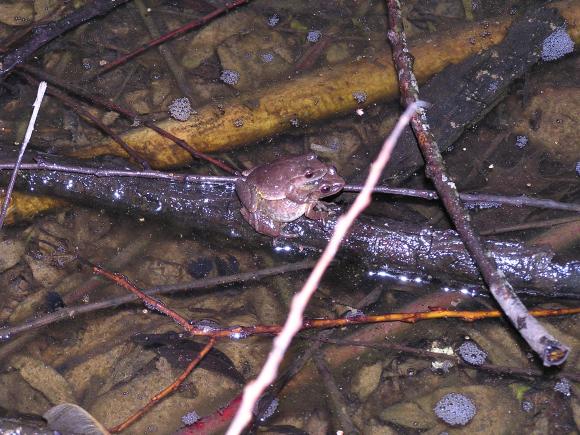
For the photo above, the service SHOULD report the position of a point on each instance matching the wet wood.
(404, 247)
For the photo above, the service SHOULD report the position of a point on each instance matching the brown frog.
(285, 189)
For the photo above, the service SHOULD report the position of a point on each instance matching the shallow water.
(396, 381)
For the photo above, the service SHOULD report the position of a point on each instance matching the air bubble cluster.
(230, 77)
(314, 36)
(180, 109)
(273, 20)
(564, 387)
(206, 325)
(471, 353)
(267, 57)
(190, 418)
(557, 45)
(521, 141)
(353, 313)
(360, 96)
(455, 409)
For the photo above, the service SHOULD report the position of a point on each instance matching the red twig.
(129, 114)
(167, 390)
(169, 36)
(150, 302)
(67, 101)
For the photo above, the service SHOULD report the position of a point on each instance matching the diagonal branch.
(550, 350)
(47, 32)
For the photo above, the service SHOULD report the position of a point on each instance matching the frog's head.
(319, 180)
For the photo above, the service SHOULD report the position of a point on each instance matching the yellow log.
(310, 97)
(24, 206)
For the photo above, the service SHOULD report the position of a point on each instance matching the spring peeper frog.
(285, 189)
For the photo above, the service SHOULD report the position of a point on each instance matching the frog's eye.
(308, 174)
(325, 188)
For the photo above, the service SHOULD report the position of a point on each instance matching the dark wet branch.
(339, 404)
(462, 94)
(45, 33)
(551, 351)
(384, 244)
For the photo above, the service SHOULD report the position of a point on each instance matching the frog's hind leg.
(263, 224)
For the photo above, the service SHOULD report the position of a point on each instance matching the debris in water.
(68, 418)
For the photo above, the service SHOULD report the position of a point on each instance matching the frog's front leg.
(318, 215)
(263, 224)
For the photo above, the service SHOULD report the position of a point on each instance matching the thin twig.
(254, 389)
(129, 114)
(99, 172)
(483, 198)
(67, 101)
(74, 311)
(167, 390)
(27, 136)
(426, 354)
(550, 350)
(529, 226)
(194, 24)
(172, 64)
(517, 201)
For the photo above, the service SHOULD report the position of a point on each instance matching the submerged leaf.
(68, 418)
